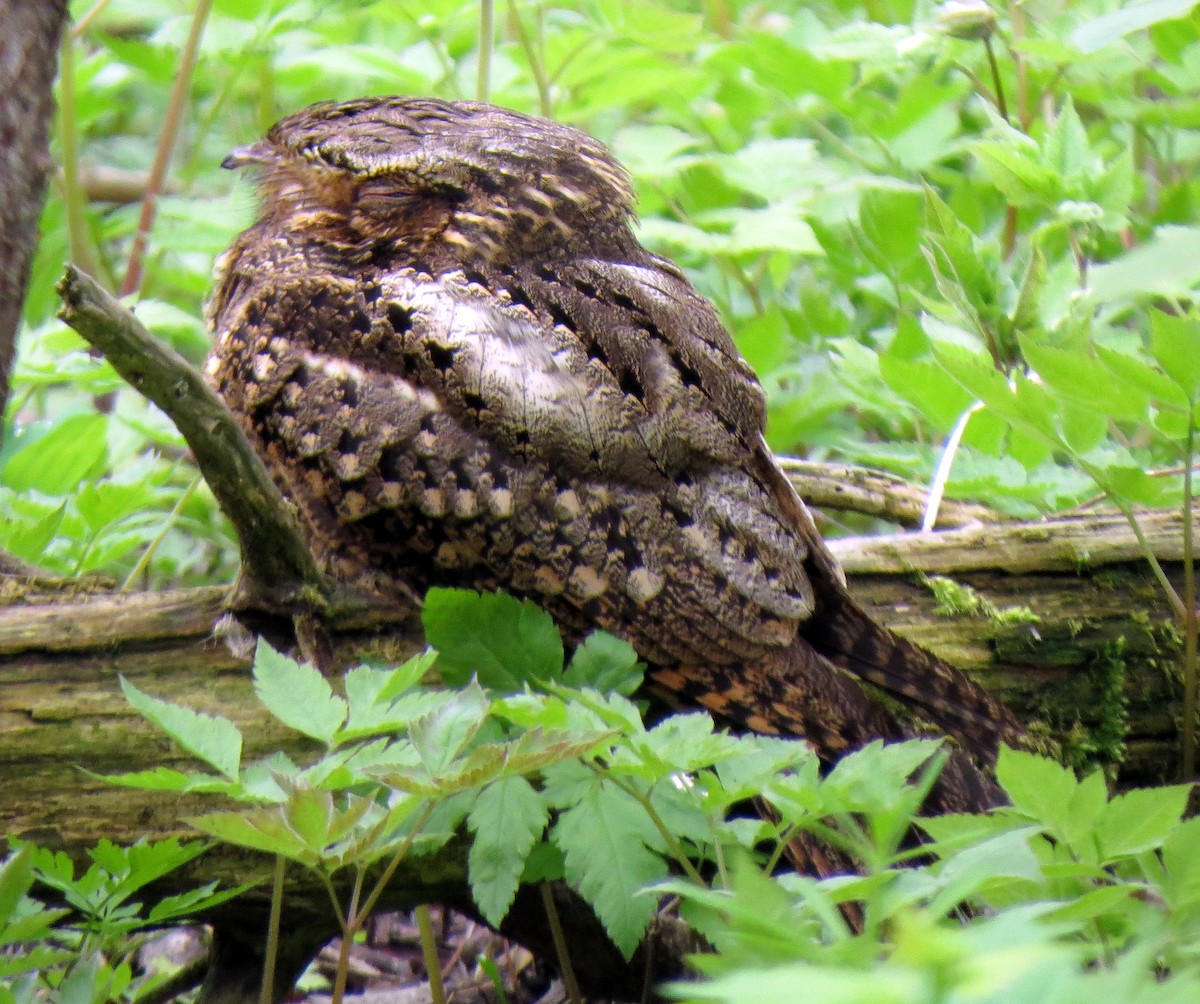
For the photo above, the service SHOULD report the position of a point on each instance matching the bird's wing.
(553, 444)
(608, 369)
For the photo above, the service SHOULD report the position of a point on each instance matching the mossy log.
(1088, 651)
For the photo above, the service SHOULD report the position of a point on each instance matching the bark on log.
(1058, 618)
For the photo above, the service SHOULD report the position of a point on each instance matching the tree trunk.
(28, 62)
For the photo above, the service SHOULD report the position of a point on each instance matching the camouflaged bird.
(458, 361)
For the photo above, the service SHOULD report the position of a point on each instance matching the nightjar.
(463, 368)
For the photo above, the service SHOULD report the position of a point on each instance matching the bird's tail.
(797, 692)
(843, 633)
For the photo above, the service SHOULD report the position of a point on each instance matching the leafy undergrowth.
(1066, 894)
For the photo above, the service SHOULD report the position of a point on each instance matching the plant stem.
(166, 143)
(388, 872)
(487, 34)
(353, 923)
(1173, 597)
(85, 22)
(1001, 103)
(80, 248)
(1188, 751)
(266, 992)
(433, 964)
(1016, 18)
(172, 516)
(536, 68)
(570, 984)
(674, 845)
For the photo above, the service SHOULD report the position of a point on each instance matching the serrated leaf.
(1140, 820)
(1066, 147)
(1085, 381)
(507, 818)
(297, 694)
(187, 904)
(543, 864)
(683, 743)
(1087, 806)
(1005, 856)
(1019, 174)
(441, 735)
(501, 640)
(1162, 389)
(213, 739)
(1038, 787)
(605, 663)
(309, 812)
(16, 878)
(603, 838)
(261, 829)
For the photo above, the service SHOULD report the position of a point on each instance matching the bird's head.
(478, 181)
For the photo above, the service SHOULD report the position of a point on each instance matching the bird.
(460, 364)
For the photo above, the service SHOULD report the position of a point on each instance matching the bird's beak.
(244, 156)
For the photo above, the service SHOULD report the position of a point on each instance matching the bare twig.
(875, 493)
(278, 570)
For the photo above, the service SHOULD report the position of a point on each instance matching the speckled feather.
(465, 370)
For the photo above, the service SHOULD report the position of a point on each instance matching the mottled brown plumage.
(463, 367)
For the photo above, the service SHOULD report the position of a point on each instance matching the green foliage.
(80, 953)
(911, 219)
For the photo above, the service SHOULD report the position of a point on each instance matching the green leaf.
(1040, 789)
(1106, 29)
(262, 829)
(1175, 344)
(1085, 381)
(501, 640)
(298, 695)
(603, 838)
(1066, 148)
(890, 220)
(213, 739)
(507, 818)
(1130, 369)
(1167, 265)
(1019, 174)
(606, 663)
(440, 736)
(16, 878)
(1141, 820)
(55, 463)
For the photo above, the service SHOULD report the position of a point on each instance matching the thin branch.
(850, 488)
(429, 952)
(277, 566)
(166, 143)
(74, 199)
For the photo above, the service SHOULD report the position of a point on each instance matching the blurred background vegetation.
(855, 185)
